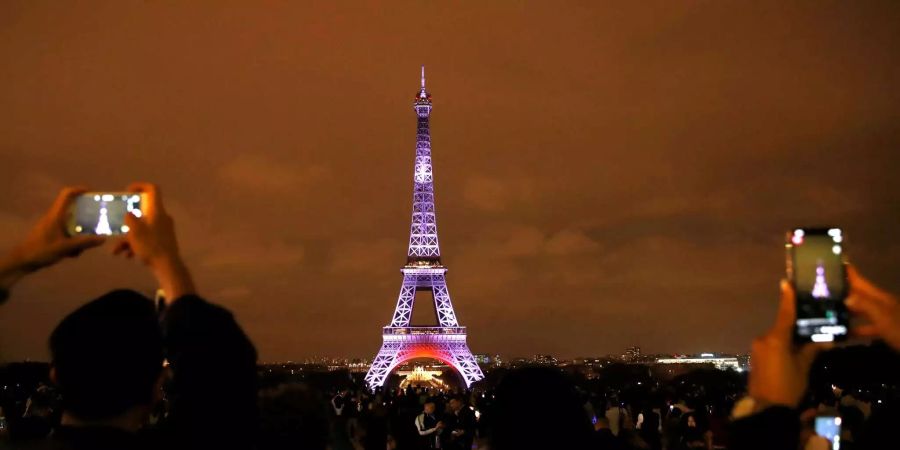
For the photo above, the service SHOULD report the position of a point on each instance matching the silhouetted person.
(695, 431)
(292, 417)
(615, 414)
(603, 437)
(429, 427)
(374, 423)
(460, 421)
(538, 407)
(107, 356)
(672, 428)
(648, 427)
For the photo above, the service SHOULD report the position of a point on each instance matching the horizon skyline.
(302, 360)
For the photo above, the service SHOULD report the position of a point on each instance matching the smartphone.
(829, 427)
(103, 213)
(817, 270)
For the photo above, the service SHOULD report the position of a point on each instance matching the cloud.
(521, 241)
(525, 258)
(257, 173)
(240, 251)
(505, 242)
(490, 194)
(359, 256)
(568, 242)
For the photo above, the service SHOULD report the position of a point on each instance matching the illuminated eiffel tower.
(423, 272)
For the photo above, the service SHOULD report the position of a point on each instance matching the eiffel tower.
(423, 272)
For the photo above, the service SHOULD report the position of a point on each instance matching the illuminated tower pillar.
(820, 288)
(423, 272)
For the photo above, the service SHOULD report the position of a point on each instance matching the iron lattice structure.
(423, 272)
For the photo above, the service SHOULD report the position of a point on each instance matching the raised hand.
(780, 368)
(152, 239)
(878, 307)
(47, 242)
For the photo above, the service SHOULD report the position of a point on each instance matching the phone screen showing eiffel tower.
(104, 214)
(820, 282)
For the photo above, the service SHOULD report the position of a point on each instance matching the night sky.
(605, 175)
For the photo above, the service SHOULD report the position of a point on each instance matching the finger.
(866, 306)
(136, 226)
(784, 321)
(65, 197)
(121, 245)
(152, 201)
(75, 245)
(861, 285)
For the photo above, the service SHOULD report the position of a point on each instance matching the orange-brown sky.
(607, 174)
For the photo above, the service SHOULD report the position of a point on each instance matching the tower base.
(401, 344)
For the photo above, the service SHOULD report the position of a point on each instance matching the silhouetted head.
(107, 356)
(456, 404)
(544, 402)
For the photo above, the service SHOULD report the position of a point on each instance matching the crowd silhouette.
(124, 374)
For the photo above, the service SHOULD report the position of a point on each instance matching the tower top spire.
(422, 103)
(423, 94)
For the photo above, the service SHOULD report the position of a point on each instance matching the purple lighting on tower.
(820, 288)
(423, 272)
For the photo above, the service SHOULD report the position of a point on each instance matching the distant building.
(632, 354)
(519, 362)
(485, 360)
(720, 362)
(545, 360)
(358, 365)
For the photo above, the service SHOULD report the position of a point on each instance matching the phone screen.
(829, 427)
(816, 268)
(103, 213)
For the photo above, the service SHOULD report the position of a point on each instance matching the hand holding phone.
(151, 237)
(878, 307)
(780, 367)
(46, 243)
